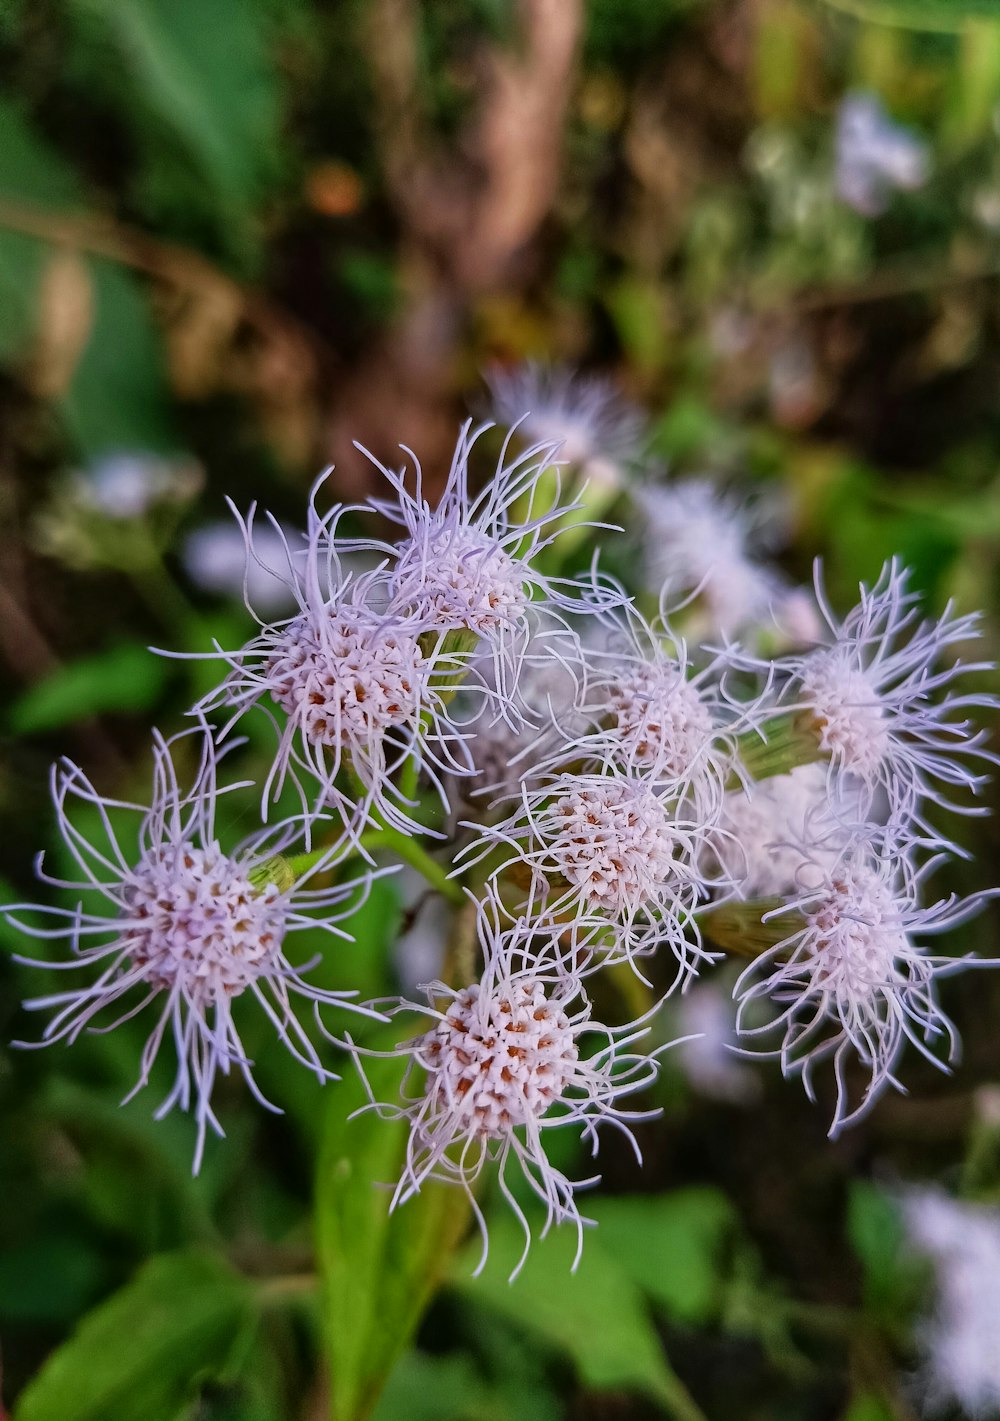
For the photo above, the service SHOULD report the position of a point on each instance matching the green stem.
(411, 852)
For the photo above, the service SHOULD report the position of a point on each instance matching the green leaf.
(875, 1230)
(867, 1407)
(142, 1354)
(920, 14)
(125, 678)
(379, 1269)
(30, 172)
(671, 1246)
(204, 75)
(596, 1315)
(447, 1388)
(451, 1387)
(118, 396)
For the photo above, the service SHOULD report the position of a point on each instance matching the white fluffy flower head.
(611, 839)
(958, 1339)
(504, 1058)
(875, 156)
(348, 678)
(697, 541)
(850, 980)
(186, 927)
(882, 706)
(501, 1065)
(583, 415)
(602, 864)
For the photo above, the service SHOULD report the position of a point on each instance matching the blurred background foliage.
(237, 235)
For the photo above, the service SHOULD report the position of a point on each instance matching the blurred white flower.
(697, 543)
(584, 414)
(419, 950)
(128, 484)
(874, 156)
(798, 618)
(216, 560)
(960, 1340)
(770, 832)
(707, 1030)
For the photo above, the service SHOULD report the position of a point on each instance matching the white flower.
(584, 415)
(875, 156)
(797, 618)
(470, 564)
(504, 1062)
(128, 485)
(773, 834)
(959, 1338)
(696, 543)
(705, 1051)
(651, 714)
(185, 928)
(850, 980)
(605, 860)
(364, 688)
(879, 705)
(218, 558)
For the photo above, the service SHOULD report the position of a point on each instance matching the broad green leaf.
(379, 1270)
(596, 1315)
(920, 14)
(671, 1246)
(447, 1388)
(125, 678)
(142, 1354)
(204, 74)
(452, 1388)
(867, 1407)
(875, 1230)
(30, 172)
(118, 396)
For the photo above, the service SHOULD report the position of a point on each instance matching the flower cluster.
(584, 786)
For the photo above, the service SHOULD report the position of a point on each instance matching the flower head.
(583, 415)
(185, 928)
(958, 1339)
(362, 684)
(697, 543)
(604, 861)
(875, 156)
(879, 704)
(650, 713)
(849, 979)
(470, 565)
(772, 834)
(504, 1062)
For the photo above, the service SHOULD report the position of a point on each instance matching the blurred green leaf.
(28, 1269)
(118, 396)
(451, 1388)
(596, 1315)
(869, 1408)
(875, 1230)
(671, 1246)
(30, 172)
(124, 678)
(206, 73)
(379, 1269)
(144, 1352)
(919, 14)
